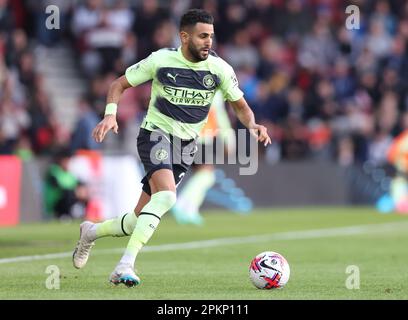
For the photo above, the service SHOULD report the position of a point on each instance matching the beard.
(196, 53)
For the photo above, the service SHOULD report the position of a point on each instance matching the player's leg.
(163, 197)
(399, 191)
(124, 225)
(156, 153)
(193, 193)
(116, 227)
(89, 231)
(191, 197)
(166, 160)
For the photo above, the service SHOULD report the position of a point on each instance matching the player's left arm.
(247, 118)
(230, 88)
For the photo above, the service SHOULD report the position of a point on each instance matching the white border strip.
(291, 235)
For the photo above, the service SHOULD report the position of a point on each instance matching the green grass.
(318, 265)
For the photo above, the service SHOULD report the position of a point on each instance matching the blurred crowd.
(27, 125)
(323, 91)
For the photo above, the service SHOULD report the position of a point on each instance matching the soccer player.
(397, 155)
(184, 83)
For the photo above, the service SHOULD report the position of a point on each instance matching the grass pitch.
(319, 244)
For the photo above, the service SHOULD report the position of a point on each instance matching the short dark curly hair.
(194, 16)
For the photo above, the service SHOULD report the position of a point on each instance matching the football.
(269, 270)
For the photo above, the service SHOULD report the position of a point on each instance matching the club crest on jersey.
(161, 154)
(208, 81)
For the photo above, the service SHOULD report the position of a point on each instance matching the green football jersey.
(182, 91)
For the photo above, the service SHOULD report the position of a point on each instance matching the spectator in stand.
(14, 119)
(86, 17)
(240, 52)
(378, 41)
(233, 16)
(43, 124)
(6, 18)
(318, 49)
(82, 133)
(163, 36)
(294, 20)
(149, 16)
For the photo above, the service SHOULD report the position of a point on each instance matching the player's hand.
(260, 133)
(103, 127)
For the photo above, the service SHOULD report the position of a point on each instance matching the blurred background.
(332, 99)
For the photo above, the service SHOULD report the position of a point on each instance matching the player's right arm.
(135, 75)
(109, 122)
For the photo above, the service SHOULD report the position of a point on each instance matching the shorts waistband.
(152, 127)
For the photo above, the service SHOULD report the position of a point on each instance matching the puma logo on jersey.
(169, 75)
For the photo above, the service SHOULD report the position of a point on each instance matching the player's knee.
(211, 178)
(170, 199)
(167, 199)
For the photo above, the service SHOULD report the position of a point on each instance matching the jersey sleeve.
(229, 84)
(142, 71)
